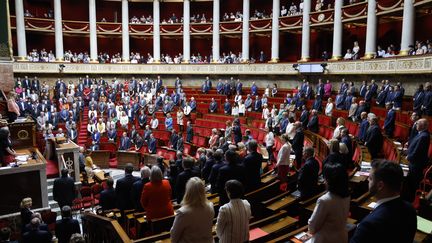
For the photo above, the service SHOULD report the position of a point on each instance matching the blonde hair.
(26, 202)
(195, 193)
(340, 121)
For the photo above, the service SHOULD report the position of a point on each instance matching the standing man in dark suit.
(125, 142)
(374, 138)
(297, 144)
(307, 182)
(389, 122)
(364, 125)
(313, 124)
(64, 189)
(231, 171)
(417, 156)
(183, 177)
(392, 220)
(67, 226)
(124, 187)
(108, 196)
(138, 186)
(252, 163)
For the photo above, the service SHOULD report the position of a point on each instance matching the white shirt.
(336, 132)
(233, 221)
(242, 108)
(235, 111)
(269, 139)
(290, 130)
(329, 109)
(265, 113)
(384, 200)
(124, 120)
(284, 155)
(91, 128)
(154, 123)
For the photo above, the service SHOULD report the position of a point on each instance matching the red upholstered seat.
(86, 197)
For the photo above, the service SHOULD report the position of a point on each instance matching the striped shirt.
(233, 221)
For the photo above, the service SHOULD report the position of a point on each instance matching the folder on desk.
(256, 233)
(424, 225)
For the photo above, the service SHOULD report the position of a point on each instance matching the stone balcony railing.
(388, 66)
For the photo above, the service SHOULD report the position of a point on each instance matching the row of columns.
(370, 47)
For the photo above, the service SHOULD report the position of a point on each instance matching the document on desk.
(22, 158)
(424, 225)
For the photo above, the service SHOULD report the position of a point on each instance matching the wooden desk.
(125, 157)
(101, 158)
(27, 180)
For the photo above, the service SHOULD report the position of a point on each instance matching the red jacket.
(156, 200)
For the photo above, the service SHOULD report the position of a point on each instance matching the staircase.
(51, 203)
(82, 135)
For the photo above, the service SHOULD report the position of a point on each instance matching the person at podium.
(7, 153)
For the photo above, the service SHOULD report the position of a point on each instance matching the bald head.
(422, 124)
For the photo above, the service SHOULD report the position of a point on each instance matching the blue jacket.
(125, 143)
(364, 125)
(152, 145)
(389, 122)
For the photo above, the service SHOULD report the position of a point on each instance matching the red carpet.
(52, 169)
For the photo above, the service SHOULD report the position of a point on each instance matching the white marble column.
(371, 30)
(305, 55)
(93, 33)
(216, 31)
(186, 31)
(125, 31)
(337, 31)
(275, 31)
(245, 35)
(407, 27)
(20, 27)
(156, 30)
(58, 26)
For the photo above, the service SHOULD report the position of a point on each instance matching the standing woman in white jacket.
(283, 159)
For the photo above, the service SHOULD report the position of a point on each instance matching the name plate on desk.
(23, 134)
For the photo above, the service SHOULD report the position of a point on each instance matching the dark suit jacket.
(252, 164)
(389, 122)
(65, 228)
(308, 178)
(39, 236)
(136, 192)
(298, 141)
(108, 199)
(182, 179)
(206, 169)
(313, 125)
(364, 125)
(392, 221)
(418, 150)
(374, 140)
(212, 178)
(64, 191)
(226, 173)
(125, 143)
(123, 192)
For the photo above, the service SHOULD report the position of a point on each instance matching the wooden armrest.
(278, 215)
(312, 199)
(271, 200)
(361, 198)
